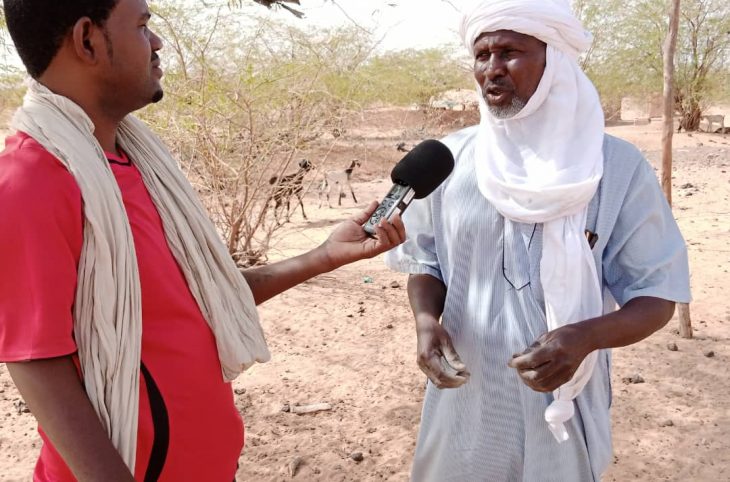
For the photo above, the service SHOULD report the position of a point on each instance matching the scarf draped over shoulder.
(108, 310)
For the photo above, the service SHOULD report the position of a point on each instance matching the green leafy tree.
(411, 76)
(703, 57)
(626, 58)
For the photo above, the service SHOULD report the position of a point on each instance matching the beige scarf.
(108, 308)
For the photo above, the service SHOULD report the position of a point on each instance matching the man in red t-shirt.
(102, 56)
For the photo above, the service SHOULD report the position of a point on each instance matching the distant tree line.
(246, 96)
(626, 58)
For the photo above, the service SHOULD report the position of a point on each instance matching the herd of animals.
(291, 185)
(284, 188)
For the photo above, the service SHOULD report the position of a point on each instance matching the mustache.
(497, 83)
(154, 57)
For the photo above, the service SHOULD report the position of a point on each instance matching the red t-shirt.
(189, 428)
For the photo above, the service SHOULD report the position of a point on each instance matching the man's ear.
(89, 41)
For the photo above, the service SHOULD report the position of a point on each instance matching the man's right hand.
(437, 357)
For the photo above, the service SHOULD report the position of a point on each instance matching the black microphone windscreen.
(425, 167)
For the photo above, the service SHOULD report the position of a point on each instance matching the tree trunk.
(691, 116)
(670, 46)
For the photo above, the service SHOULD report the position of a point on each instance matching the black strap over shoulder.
(161, 423)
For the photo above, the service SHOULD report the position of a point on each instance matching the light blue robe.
(492, 428)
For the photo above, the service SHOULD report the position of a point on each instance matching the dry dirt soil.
(347, 339)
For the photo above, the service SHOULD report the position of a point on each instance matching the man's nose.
(496, 67)
(156, 42)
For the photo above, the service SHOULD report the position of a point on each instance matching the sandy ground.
(347, 339)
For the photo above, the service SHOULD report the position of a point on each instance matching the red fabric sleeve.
(40, 244)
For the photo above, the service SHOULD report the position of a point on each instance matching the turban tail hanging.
(544, 164)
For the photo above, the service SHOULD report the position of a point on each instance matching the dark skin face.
(131, 74)
(508, 66)
(109, 70)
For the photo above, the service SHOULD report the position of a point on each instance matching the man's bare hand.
(552, 359)
(437, 357)
(349, 242)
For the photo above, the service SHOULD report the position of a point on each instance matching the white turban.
(551, 21)
(544, 164)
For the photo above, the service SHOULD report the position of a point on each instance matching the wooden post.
(670, 46)
(685, 325)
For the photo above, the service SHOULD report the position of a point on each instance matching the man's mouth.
(157, 69)
(156, 63)
(496, 95)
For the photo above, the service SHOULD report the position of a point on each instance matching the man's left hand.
(349, 242)
(552, 359)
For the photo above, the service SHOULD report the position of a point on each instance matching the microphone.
(415, 176)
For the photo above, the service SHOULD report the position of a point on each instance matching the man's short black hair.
(38, 27)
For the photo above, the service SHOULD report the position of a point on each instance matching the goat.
(287, 186)
(339, 179)
(711, 119)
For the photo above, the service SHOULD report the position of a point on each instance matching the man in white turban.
(544, 224)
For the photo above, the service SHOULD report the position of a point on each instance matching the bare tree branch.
(344, 12)
(272, 3)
